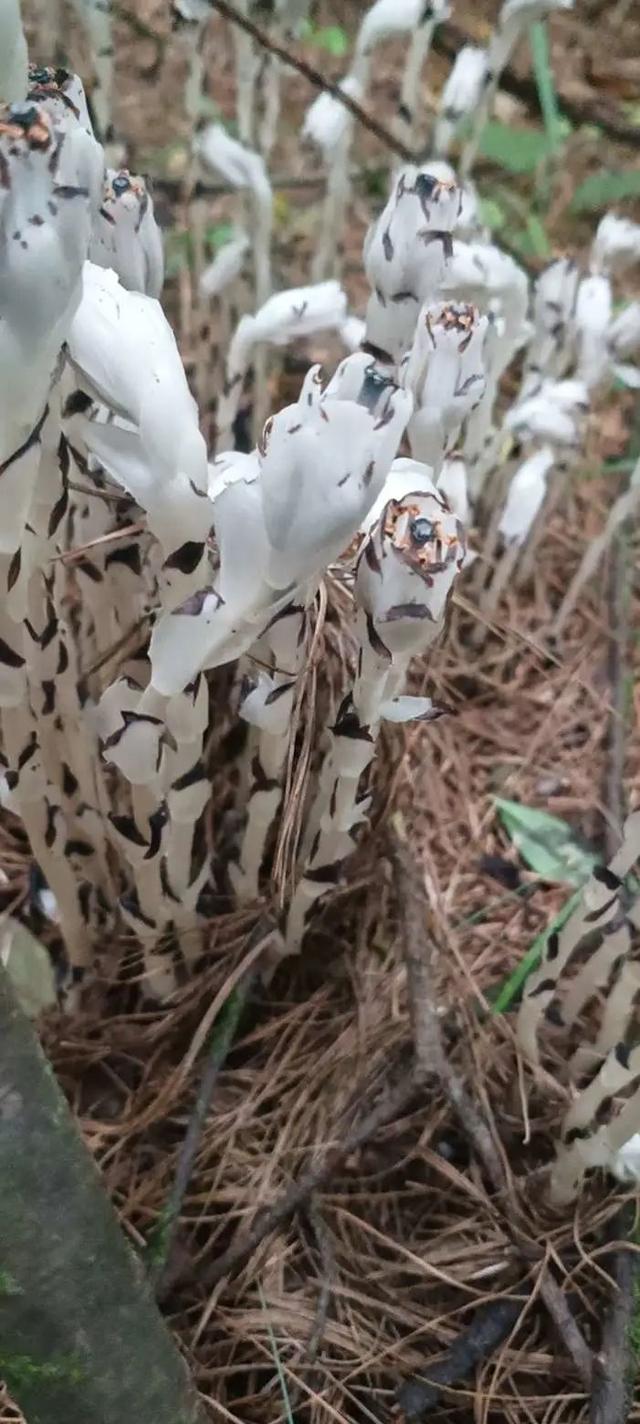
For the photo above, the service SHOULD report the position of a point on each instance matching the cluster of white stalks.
(133, 562)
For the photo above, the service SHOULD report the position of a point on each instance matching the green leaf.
(29, 968)
(218, 234)
(539, 44)
(546, 843)
(502, 997)
(331, 38)
(492, 214)
(517, 150)
(601, 190)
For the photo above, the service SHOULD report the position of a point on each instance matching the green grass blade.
(539, 43)
(513, 984)
(276, 1359)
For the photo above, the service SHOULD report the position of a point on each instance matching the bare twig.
(265, 40)
(430, 1050)
(394, 1102)
(224, 1031)
(617, 652)
(615, 1364)
(490, 1326)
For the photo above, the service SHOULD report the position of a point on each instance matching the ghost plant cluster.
(133, 562)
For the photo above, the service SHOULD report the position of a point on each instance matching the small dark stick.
(490, 1326)
(314, 76)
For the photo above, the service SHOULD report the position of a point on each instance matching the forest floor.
(386, 1256)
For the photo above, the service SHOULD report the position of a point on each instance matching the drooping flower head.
(126, 236)
(445, 374)
(405, 256)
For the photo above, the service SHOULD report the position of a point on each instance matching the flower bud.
(405, 256)
(592, 321)
(406, 570)
(227, 265)
(460, 96)
(554, 303)
(61, 94)
(616, 245)
(327, 121)
(555, 412)
(445, 375)
(125, 235)
(525, 497)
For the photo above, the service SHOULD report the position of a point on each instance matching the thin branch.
(615, 1364)
(388, 1109)
(314, 77)
(617, 655)
(162, 1238)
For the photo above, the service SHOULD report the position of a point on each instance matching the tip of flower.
(26, 122)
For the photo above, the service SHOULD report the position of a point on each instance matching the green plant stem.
(81, 1338)
(539, 42)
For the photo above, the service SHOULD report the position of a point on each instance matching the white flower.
(281, 515)
(125, 234)
(592, 321)
(327, 120)
(554, 303)
(240, 166)
(555, 412)
(514, 19)
(322, 467)
(406, 570)
(50, 179)
(452, 483)
(386, 18)
(616, 245)
(61, 94)
(481, 273)
(445, 374)
(125, 354)
(353, 332)
(624, 331)
(625, 1163)
(526, 495)
(226, 266)
(461, 95)
(405, 255)
(13, 53)
(405, 477)
(299, 311)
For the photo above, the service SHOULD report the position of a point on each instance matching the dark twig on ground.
(615, 1365)
(431, 1058)
(490, 1326)
(390, 1107)
(220, 1042)
(319, 81)
(617, 666)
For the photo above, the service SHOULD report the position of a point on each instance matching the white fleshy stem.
(30, 793)
(625, 506)
(410, 113)
(96, 18)
(247, 65)
(597, 908)
(586, 1141)
(332, 223)
(286, 646)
